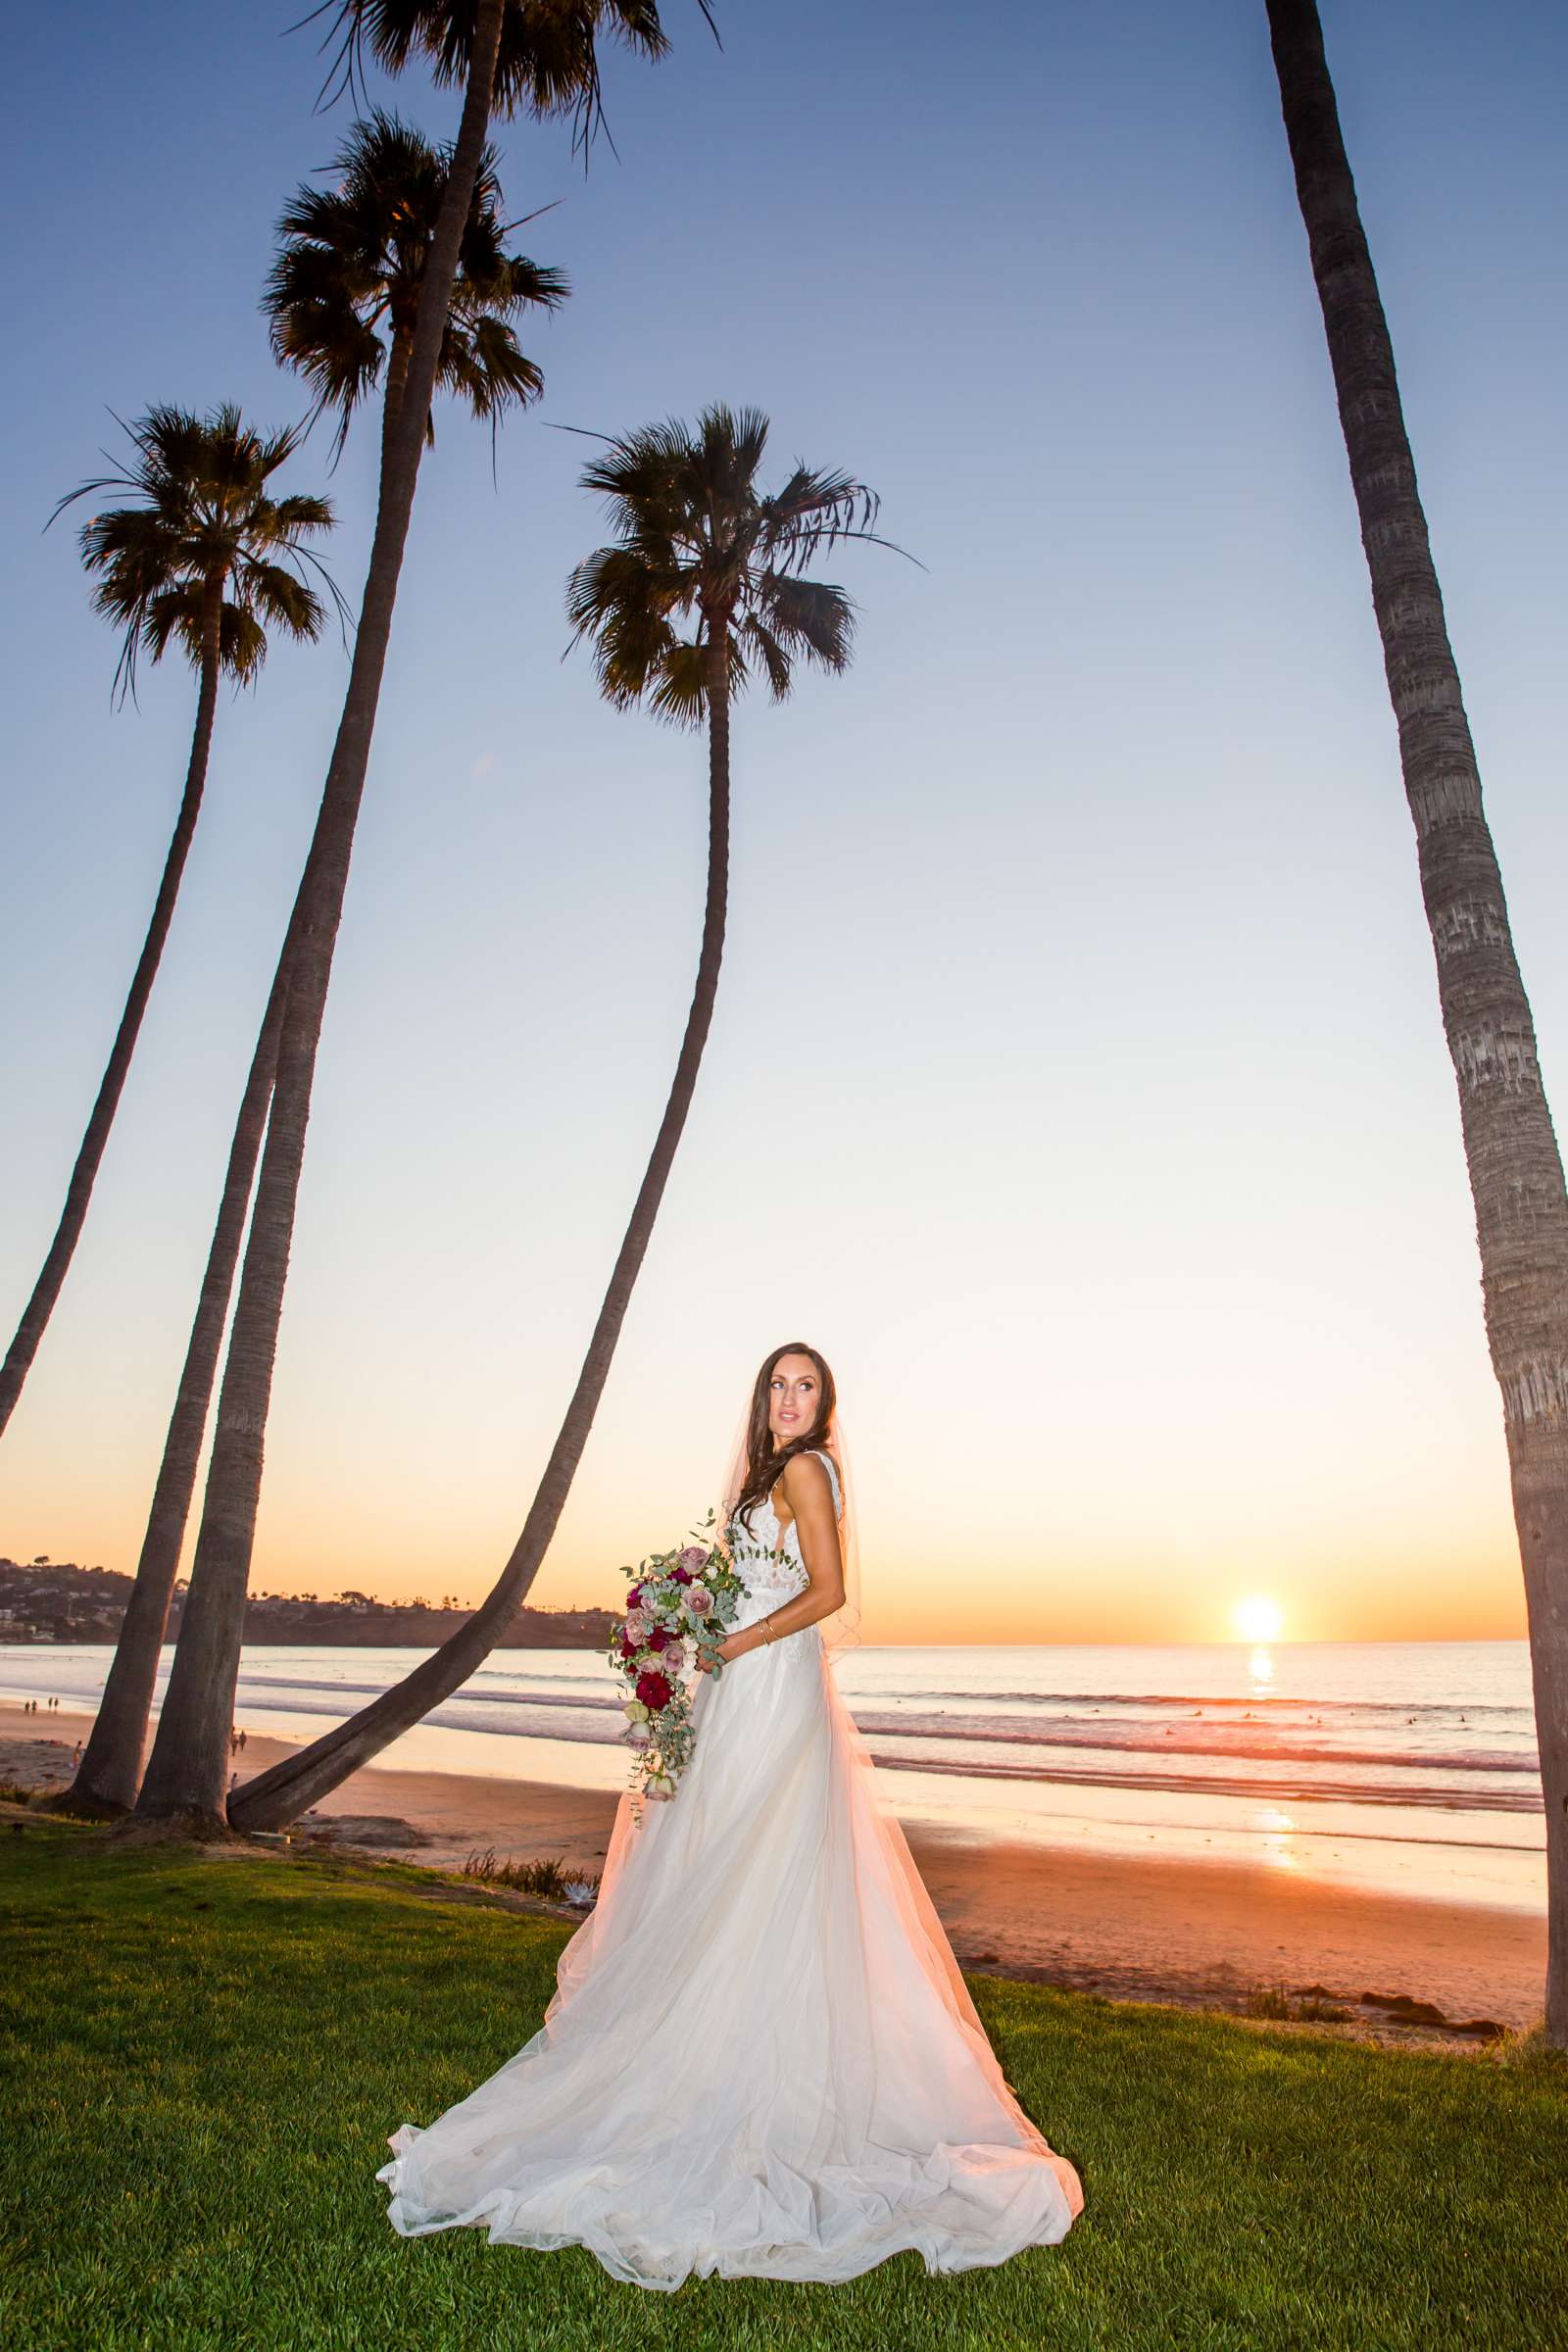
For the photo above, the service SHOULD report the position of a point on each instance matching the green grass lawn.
(207, 2052)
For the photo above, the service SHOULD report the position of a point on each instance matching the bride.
(760, 2058)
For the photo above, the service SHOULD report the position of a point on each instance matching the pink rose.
(695, 1556)
(653, 1690)
(700, 1602)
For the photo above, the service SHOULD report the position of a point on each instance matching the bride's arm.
(808, 1491)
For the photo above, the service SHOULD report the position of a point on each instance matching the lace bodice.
(767, 1556)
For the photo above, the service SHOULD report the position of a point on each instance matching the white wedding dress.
(760, 2058)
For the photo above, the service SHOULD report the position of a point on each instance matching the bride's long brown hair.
(764, 1466)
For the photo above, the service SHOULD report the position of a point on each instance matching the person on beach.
(760, 2058)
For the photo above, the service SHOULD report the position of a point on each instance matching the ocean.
(1409, 1766)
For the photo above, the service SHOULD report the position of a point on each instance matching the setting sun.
(1257, 1618)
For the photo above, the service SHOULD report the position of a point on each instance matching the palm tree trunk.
(186, 1773)
(1515, 1168)
(110, 1771)
(46, 1290)
(396, 378)
(281, 1793)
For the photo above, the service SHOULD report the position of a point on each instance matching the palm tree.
(206, 559)
(536, 57)
(1516, 1176)
(343, 296)
(106, 1777)
(700, 590)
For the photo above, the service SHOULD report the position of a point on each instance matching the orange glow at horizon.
(1040, 1602)
(976, 1544)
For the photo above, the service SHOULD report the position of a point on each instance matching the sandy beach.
(1204, 1933)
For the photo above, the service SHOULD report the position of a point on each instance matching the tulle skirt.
(760, 2058)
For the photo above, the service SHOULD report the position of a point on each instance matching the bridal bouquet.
(680, 1606)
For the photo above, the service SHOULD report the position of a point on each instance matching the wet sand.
(1203, 1933)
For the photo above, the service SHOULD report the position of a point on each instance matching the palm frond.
(699, 552)
(204, 520)
(777, 666)
(812, 619)
(299, 512)
(280, 599)
(344, 289)
(241, 645)
(548, 63)
(680, 695)
(487, 369)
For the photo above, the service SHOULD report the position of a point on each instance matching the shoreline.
(1153, 1928)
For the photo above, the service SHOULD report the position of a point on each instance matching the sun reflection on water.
(1274, 1831)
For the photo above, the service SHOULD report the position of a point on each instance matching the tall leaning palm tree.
(342, 301)
(205, 558)
(343, 296)
(536, 57)
(701, 589)
(106, 1778)
(1516, 1176)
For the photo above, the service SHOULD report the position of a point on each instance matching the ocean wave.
(1265, 1791)
(587, 1724)
(1061, 1731)
(1252, 1747)
(1190, 1743)
(493, 1711)
(1163, 1701)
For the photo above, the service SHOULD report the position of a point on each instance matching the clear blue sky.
(1077, 1082)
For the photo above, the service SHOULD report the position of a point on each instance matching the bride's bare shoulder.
(806, 1479)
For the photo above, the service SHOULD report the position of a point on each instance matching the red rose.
(628, 1648)
(634, 1598)
(657, 1639)
(680, 1575)
(654, 1691)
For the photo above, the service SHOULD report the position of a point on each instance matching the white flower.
(637, 1734)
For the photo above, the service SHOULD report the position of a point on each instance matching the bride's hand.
(708, 1663)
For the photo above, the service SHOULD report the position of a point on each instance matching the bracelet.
(768, 1624)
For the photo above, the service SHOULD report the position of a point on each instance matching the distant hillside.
(54, 1600)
